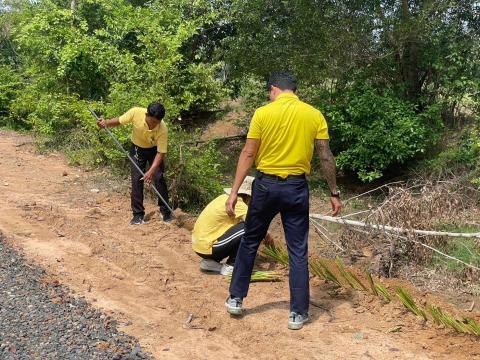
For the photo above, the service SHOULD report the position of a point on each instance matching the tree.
(418, 55)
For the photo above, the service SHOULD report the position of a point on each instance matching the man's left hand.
(336, 205)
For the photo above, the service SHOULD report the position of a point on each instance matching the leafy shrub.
(10, 85)
(193, 173)
(113, 55)
(461, 154)
(372, 132)
(253, 93)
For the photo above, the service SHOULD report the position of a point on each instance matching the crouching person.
(216, 236)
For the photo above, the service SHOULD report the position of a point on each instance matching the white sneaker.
(234, 305)
(226, 270)
(210, 265)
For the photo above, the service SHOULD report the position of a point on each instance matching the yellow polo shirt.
(287, 129)
(141, 135)
(213, 222)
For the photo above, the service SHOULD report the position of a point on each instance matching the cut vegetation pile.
(438, 206)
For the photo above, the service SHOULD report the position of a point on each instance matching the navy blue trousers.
(269, 197)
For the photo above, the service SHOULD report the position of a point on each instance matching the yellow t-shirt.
(213, 222)
(141, 135)
(287, 129)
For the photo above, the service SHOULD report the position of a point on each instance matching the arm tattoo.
(327, 163)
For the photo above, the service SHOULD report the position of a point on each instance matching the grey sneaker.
(137, 220)
(210, 265)
(296, 321)
(234, 305)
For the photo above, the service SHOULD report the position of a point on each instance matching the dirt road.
(148, 278)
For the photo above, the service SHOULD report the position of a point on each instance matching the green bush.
(193, 173)
(372, 132)
(253, 92)
(10, 86)
(460, 154)
(113, 55)
(465, 249)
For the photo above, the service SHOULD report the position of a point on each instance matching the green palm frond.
(329, 275)
(409, 303)
(357, 281)
(383, 291)
(316, 269)
(345, 275)
(473, 326)
(371, 283)
(276, 253)
(262, 276)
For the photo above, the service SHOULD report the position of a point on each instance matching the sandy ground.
(148, 278)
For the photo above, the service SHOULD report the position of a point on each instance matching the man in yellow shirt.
(149, 144)
(280, 141)
(216, 235)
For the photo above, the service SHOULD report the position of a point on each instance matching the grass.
(465, 249)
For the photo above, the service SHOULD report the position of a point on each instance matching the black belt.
(261, 175)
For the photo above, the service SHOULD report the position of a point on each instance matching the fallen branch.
(343, 221)
(320, 232)
(373, 190)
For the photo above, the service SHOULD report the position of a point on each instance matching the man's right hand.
(102, 123)
(230, 205)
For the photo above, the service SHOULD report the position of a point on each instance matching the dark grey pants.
(142, 156)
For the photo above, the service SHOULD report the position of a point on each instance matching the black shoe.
(137, 220)
(167, 217)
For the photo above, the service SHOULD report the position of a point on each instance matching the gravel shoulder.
(40, 320)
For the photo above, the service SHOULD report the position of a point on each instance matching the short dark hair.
(156, 110)
(283, 80)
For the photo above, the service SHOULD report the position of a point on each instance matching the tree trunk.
(409, 62)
